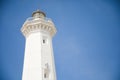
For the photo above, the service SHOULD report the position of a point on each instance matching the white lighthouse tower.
(38, 59)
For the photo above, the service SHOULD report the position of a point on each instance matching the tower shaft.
(39, 58)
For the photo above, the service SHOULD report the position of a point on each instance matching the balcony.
(32, 19)
(35, 24)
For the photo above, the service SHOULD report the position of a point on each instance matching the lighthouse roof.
(38, 12)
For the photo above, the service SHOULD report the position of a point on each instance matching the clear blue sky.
(87, 43)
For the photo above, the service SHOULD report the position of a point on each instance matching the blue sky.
(87, 43)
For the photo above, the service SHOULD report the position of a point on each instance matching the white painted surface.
(32, 58)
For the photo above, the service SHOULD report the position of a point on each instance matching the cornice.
(35, 25)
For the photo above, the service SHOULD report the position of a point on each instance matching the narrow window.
(44, 41)
(45, 76)
(46, 71)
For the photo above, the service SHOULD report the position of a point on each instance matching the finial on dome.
(38, 14)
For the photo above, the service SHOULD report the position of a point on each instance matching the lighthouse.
(39, 64)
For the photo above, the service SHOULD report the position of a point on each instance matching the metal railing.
(42, 19)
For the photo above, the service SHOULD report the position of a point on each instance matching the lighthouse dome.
(38, 14)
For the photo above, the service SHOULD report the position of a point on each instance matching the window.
(46, 71)
(44, 41)
(45, 76)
